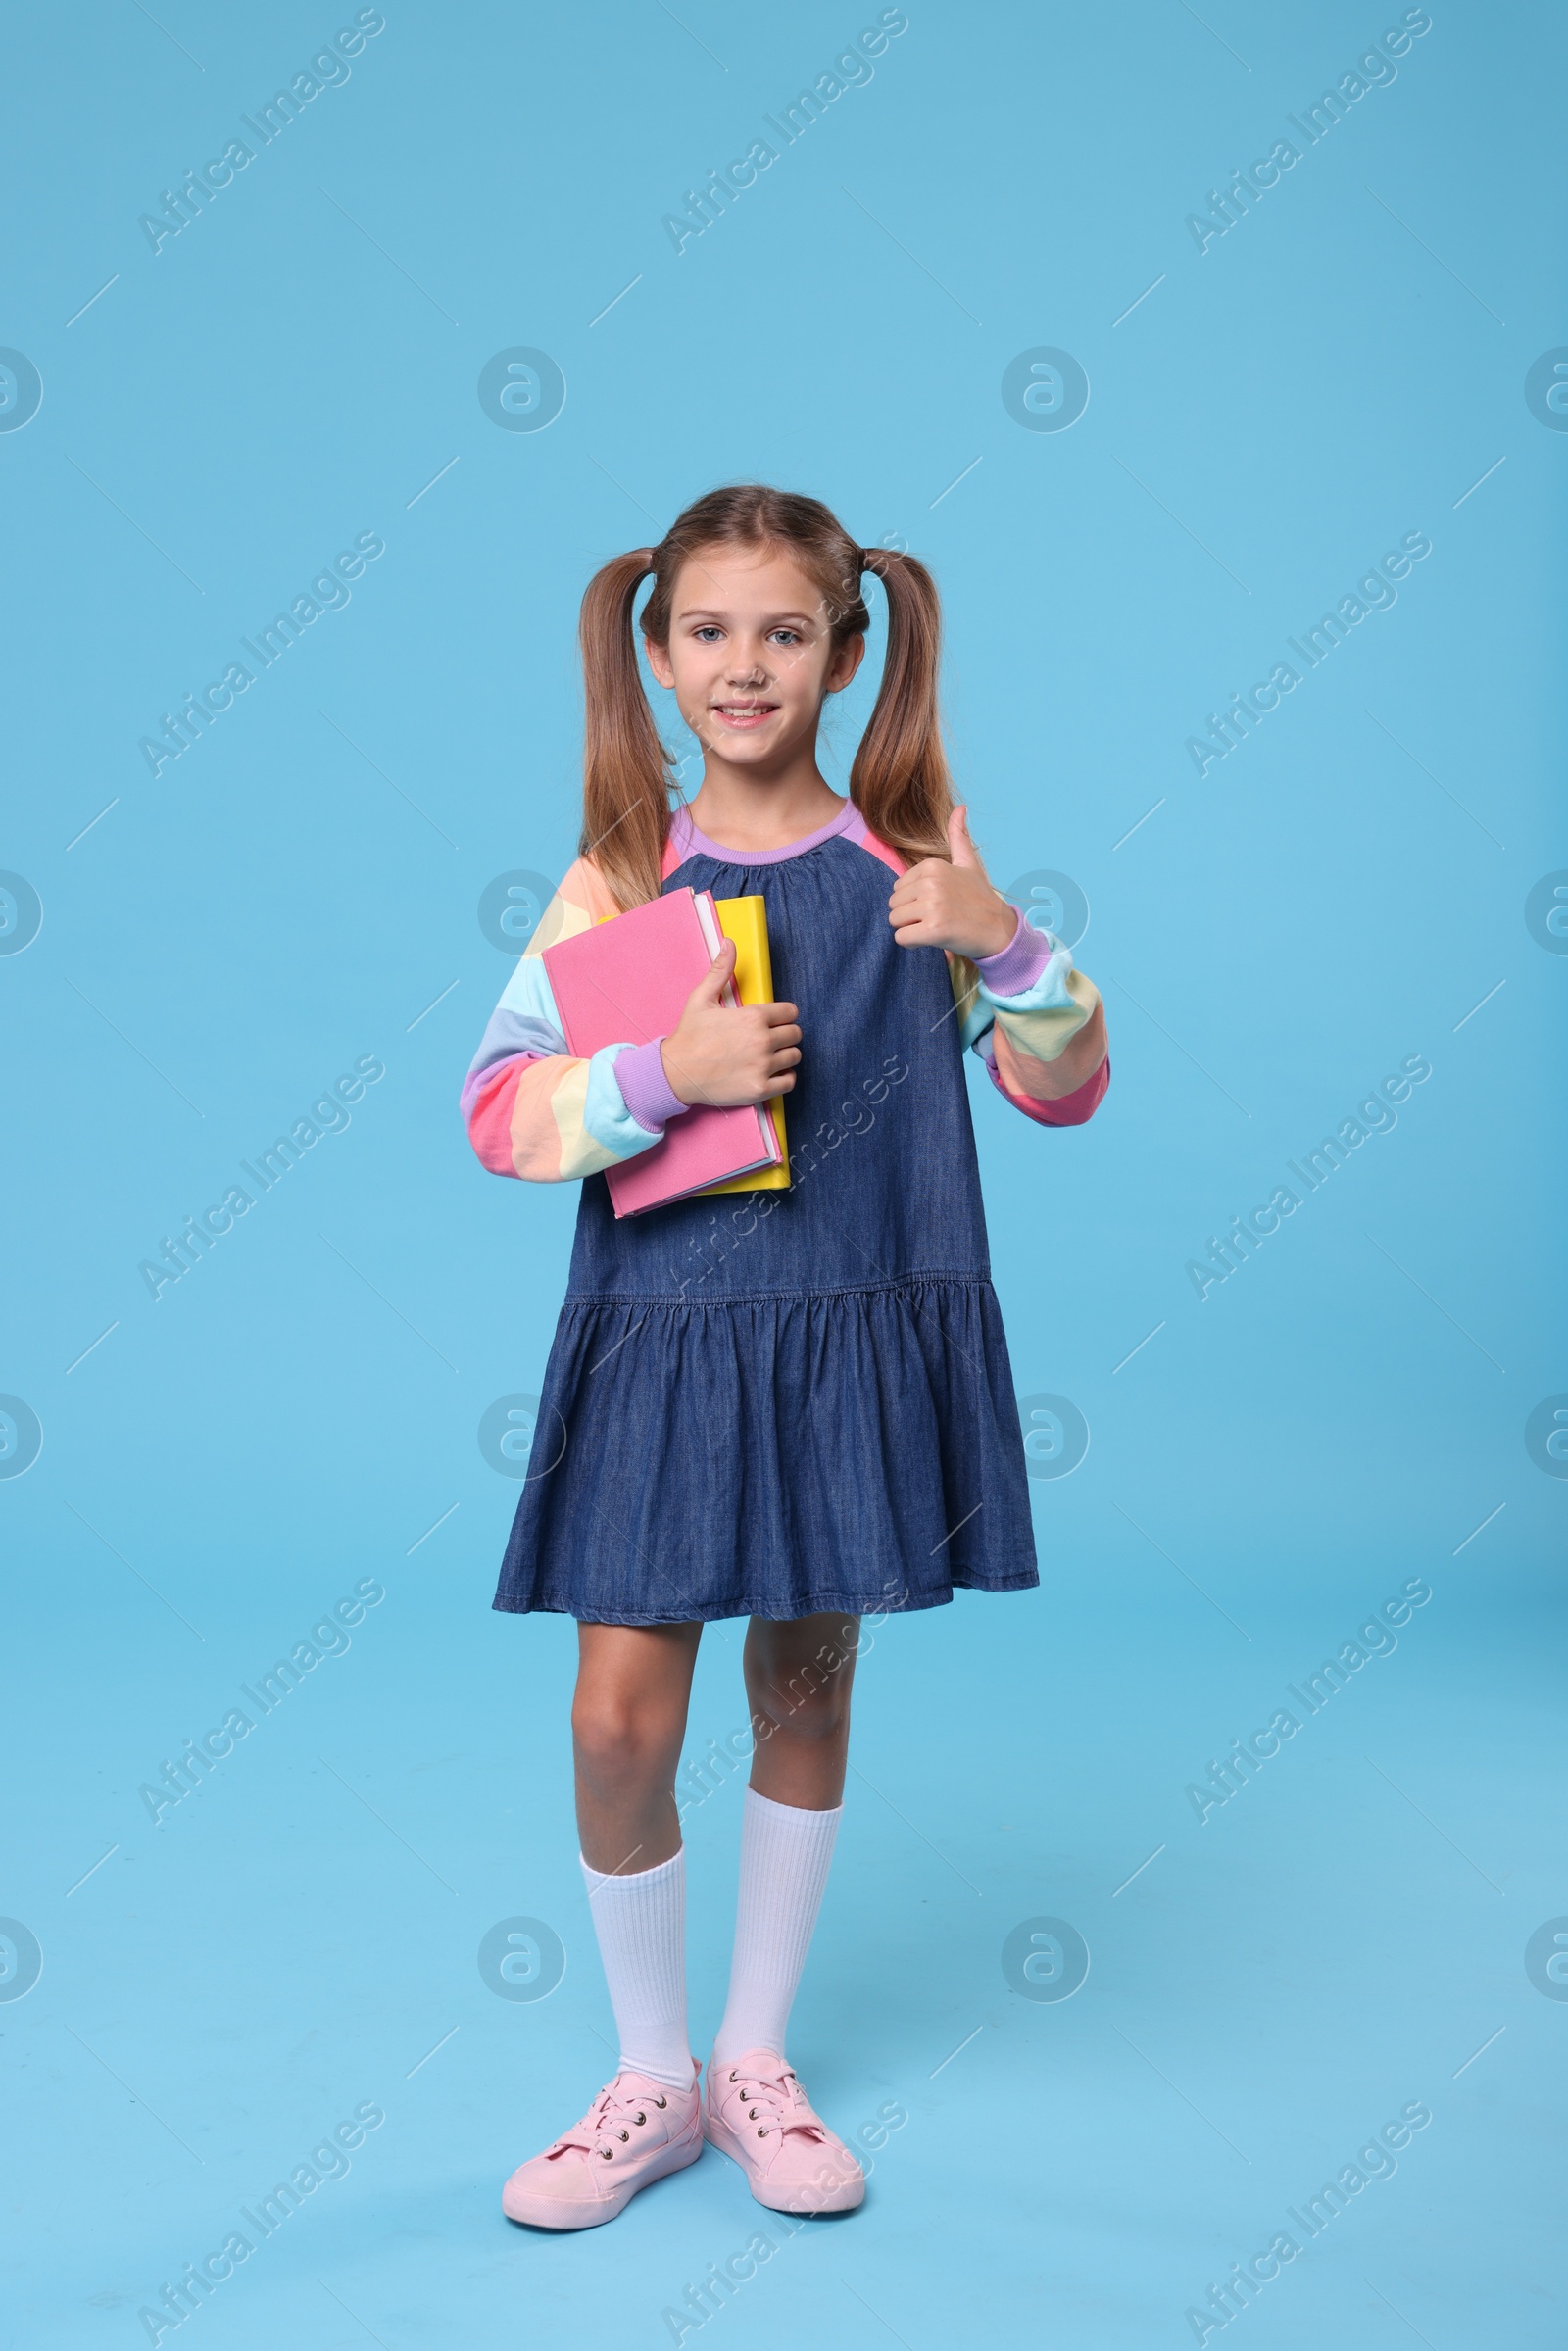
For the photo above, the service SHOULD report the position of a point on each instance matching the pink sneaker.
(635, 2131)
(757, 2113)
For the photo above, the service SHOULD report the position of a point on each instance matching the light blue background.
(300, 888)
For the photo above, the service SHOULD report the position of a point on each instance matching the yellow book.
(745, 920)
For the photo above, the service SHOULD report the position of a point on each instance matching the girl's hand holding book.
(722, 1054)
(955, 906)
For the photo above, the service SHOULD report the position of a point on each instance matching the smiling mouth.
(745, 714)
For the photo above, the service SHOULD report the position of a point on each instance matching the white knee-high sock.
(641, 1924)
(785, 1853)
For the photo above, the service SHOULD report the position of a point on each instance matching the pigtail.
(625, 799)
(900, 780)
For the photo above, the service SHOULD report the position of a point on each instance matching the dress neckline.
(687, 841)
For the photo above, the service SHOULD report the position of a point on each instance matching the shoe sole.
(552, 2212)
(846, 2196)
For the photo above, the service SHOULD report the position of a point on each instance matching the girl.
(790, 1405)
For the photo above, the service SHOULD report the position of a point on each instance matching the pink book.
(626, 982)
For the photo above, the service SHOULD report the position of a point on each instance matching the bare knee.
(623, 1742)
(810, 1703)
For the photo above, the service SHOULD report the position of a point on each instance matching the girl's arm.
(534, 1111)
(1039, 1026)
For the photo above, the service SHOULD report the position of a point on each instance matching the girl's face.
(751, 655)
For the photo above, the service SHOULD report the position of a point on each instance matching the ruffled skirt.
(854, 1449)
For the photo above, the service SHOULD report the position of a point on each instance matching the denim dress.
(767, 1404)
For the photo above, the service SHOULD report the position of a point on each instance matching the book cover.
(626, 982)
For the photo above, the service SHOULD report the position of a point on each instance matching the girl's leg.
(628, 1719)
(797, 1678)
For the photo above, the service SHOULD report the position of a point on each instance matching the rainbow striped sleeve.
(532, 1108)
(1019, 1013)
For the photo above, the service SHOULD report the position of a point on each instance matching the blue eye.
(707, 632)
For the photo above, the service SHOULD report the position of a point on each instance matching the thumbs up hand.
(938, 904)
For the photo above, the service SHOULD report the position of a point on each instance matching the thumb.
(962, 848)
(718, 976)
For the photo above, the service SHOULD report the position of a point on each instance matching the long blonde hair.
(900, 780)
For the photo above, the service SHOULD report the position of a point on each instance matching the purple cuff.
(644, 1088)
(1014, 970)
